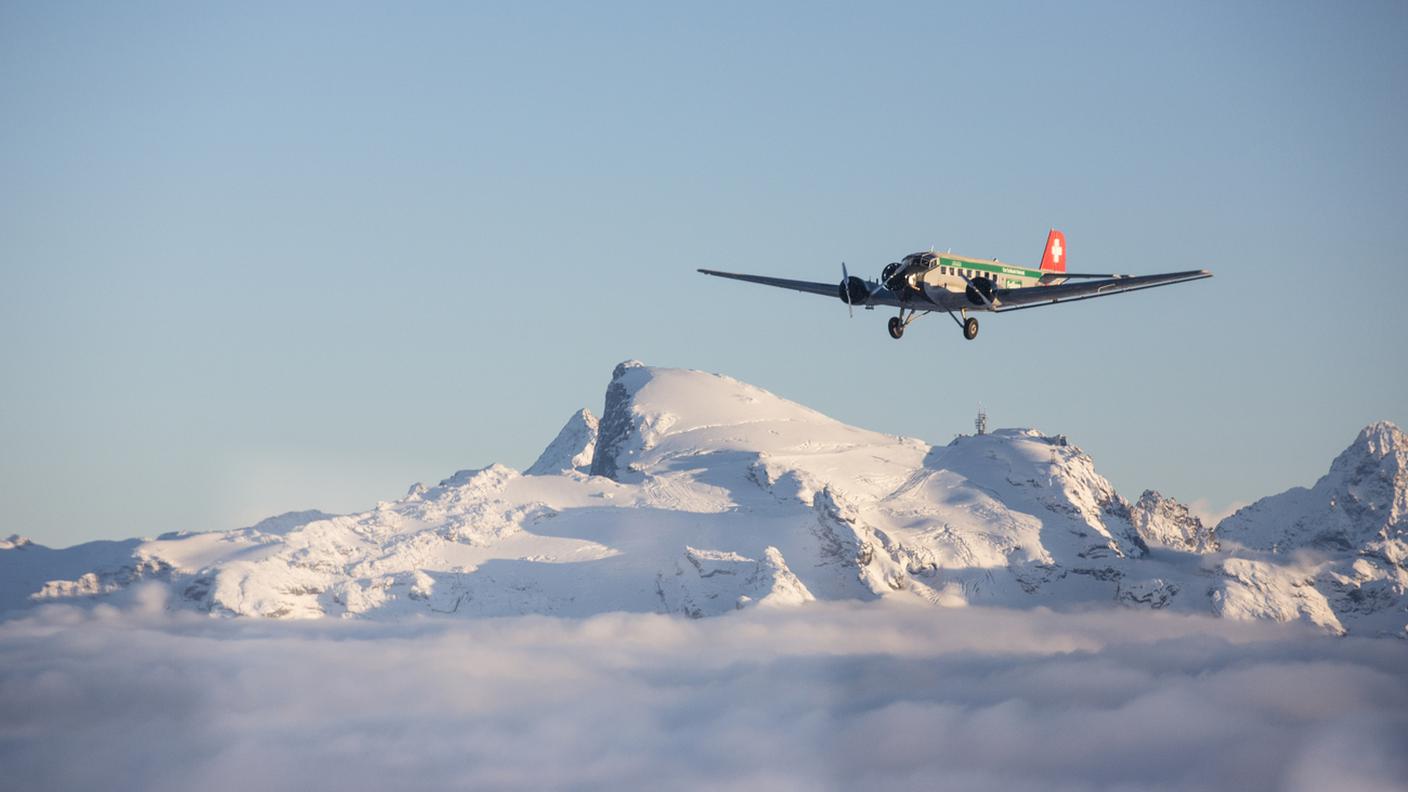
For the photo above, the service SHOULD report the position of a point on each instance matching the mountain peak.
(14, 541)
(647, 408)
(1380, 439)
(1373, 473)
(572, 449)
(614, 428)
(1161, 520)
(1362, 499)
(624, 366)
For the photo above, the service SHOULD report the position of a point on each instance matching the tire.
(970, 328)
(896, 327)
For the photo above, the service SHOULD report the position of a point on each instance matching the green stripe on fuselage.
(1004, 275)
(992, 267)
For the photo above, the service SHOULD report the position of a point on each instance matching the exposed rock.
(1166, 522)
(573, 449)
(616, 423)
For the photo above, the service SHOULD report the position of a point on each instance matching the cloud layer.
(822, 696)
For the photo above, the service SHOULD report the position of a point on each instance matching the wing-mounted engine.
(980, 290)
(853, 291)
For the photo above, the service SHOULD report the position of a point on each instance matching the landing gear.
(968, 323)
(899, 323)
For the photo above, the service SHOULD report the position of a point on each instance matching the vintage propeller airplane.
(922, 283)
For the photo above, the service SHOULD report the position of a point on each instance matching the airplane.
(922, 283)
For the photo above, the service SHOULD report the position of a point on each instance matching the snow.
(1363, 498)
(700, 495)
(572, 449)
(1350, 529)
(1254, 589)
(1168, 523)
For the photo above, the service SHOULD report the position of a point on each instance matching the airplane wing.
(1004, 299)
(832, 290)
(1037, 296)
(878, 295)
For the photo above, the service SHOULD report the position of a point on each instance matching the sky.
(823, 697)
(258, 258)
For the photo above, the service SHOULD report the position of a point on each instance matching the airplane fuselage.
(937, 275)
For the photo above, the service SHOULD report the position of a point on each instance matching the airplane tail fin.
(1053, 259)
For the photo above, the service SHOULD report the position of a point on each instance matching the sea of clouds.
(825, 696)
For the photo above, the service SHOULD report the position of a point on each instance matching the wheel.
(970, 328)
(896, 327)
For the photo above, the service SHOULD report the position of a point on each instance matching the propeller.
(846, 290)
(888, 275)
(853, 289)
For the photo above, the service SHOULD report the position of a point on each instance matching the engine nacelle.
(858, 291)
(892, 277)
(978, 288)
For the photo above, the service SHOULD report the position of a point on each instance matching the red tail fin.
(1054, 258)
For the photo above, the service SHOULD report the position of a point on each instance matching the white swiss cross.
(1056, 250)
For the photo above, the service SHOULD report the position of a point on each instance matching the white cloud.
(824, 696)
(1212, 514)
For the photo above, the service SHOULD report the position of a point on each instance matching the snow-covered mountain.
(1362, 500)
(1165, 522)
(572, 449)
(1348, 535)
(699, 494)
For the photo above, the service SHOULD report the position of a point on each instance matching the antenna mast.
(981, 422)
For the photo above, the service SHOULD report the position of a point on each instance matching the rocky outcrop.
(1165, 522)
(572, 449)
(617, 422)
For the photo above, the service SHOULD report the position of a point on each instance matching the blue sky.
(256, 258)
